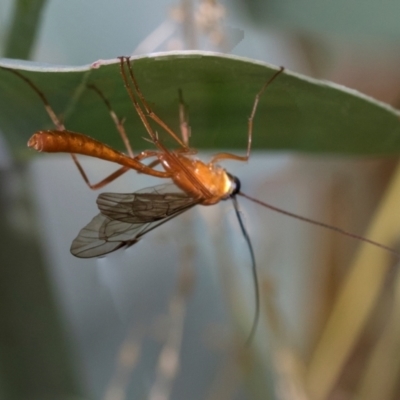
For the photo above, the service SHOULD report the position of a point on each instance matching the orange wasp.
(125, 218)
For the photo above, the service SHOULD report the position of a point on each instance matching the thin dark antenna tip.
(321, 224)
(254, 272)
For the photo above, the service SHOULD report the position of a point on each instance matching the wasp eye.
(235, 185)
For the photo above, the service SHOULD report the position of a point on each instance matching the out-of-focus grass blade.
(357, 297)
(24, 28)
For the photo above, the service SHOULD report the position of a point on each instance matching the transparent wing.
(146, 205)
(125, 218)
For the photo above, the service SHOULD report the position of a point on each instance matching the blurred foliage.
(36, 358)
(361, 19)
(24, 29)
(358, 345)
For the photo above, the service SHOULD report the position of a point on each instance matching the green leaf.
(295, 112)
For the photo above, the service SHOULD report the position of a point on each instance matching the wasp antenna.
(253, 269)
(322, 225)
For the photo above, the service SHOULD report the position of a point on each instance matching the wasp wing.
(125, 217)
(145, 205)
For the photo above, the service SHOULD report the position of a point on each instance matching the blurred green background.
(168, 318)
